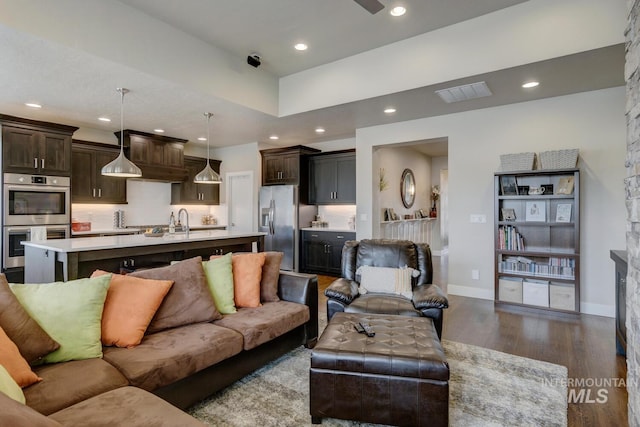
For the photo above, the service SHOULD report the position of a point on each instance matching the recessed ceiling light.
(319, 130)
(530, 84)
(159, 130)
(300, 46)
(398, 11)
(33, 105)
(389, 110)
(104, 119)
(274, 137)
(202, 138)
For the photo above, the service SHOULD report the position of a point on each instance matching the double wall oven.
(31, 201)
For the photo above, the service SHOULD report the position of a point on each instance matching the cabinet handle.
(35, 163)
(339, 237)
(42, 163)
(99, 192)
(94, 193)
(314, 235)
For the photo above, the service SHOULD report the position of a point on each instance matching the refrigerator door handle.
(272, 207)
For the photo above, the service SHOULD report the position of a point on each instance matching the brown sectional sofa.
(181, 365)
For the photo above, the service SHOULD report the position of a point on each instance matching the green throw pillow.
(9, 387)
(219, 275)
(70, 312)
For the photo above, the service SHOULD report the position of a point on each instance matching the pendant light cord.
(208, 136)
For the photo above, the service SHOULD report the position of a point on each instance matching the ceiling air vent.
(464, 92)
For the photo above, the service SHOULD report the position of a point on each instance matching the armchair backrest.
(387, 253)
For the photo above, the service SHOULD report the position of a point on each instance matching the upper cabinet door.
(35, 151)
(333, 179)
(287, 166)
(55, 154)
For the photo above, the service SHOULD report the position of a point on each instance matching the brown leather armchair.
(427, 300)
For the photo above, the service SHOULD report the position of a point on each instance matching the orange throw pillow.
(247, 274)
(14, 363)
(130, 305)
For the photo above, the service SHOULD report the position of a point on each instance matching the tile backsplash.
(149, 203)
(337, 216)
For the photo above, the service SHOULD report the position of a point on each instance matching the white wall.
(438, 164)
(594, 122)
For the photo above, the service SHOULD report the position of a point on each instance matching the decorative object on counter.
(435, 196)
(319, 224)
(383, 180)
(207, 175)
(172, 223)
(154, 232)
(80, 226)
(407, 188)
(121, 167)
(118, 219)
(390, 215)
(208, 220)
(352, 222)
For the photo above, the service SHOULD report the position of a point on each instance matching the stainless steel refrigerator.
(280, 216)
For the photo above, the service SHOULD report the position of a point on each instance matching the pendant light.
(121, 166)
(207, 175)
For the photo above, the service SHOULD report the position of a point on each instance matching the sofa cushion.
(67, 383)
(382, 304)
(270, 276)
(130, 305)
(14, 363)
(247, 274)
(9, 386)
(70, 312)
(261, 324)
(165, 357)
(128, 406)
(16, 414)
(219, 275)
(188, 301)
(32, 341)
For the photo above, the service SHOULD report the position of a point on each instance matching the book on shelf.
(509, 239)
(562, 268)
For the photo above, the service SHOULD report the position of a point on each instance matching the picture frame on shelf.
(523, 189)
(563, 212)
(508, 185)
(565, 185)
(535, 211)
(508, 214)
(548, 188)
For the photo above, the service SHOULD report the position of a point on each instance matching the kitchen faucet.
(186, 226)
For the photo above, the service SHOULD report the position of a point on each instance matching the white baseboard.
(597, 309)
(468, 291)
(487, 294)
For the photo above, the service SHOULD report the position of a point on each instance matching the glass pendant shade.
(207, 175)
(121, 166)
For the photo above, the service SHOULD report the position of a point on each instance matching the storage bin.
(535, 292)
(510, 289)
(562, 297)
(517, 162)
(558, 159)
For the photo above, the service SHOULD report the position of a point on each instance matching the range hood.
(161, 158)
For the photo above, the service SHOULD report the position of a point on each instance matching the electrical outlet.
(475, 274)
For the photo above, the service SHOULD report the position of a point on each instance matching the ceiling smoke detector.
(464, 92)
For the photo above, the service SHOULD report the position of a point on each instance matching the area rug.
(487, 388)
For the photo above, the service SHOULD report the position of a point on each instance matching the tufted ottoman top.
(403, 346)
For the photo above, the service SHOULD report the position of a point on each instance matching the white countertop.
(133, 230)
(335, 230)
(132, 240)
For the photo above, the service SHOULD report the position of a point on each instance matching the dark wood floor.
(584, 344)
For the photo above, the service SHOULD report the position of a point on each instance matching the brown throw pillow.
(32, 341)
(270, 276)
(188, 301)
(14, 363)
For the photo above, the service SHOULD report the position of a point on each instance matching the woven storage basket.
(558, 159)
(517, 161)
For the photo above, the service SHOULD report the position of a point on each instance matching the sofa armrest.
(303, 289)
(429, 296)
(343, 290)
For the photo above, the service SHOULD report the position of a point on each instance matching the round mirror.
(408, 188)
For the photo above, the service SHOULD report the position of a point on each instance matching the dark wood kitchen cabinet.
(286, 165)
(159, 157)
(322, 251)
(188, 192)
(332, 179)
(34, 147)
(88, 185)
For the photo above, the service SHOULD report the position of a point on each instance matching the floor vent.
(464, 92)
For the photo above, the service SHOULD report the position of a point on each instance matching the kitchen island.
(68, 259)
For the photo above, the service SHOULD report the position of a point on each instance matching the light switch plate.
(477, 219)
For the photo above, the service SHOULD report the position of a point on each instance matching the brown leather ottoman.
(398, 377)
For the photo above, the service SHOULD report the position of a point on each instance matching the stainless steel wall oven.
(29, 201)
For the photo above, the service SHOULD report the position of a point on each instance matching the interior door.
(240, 201)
